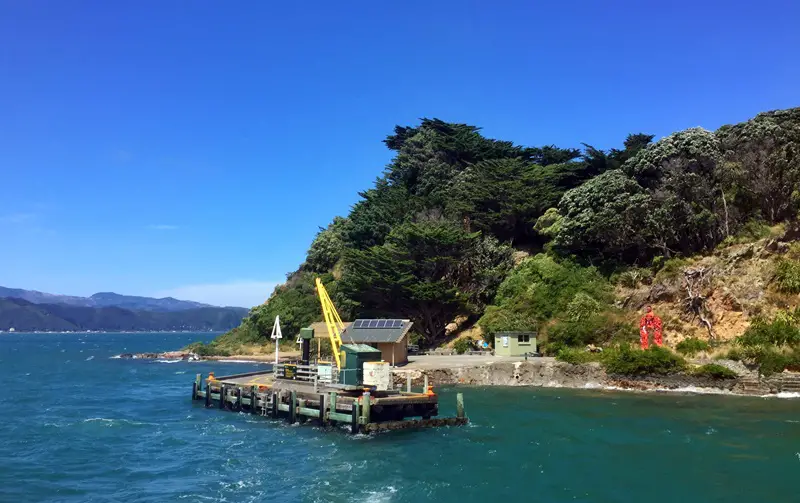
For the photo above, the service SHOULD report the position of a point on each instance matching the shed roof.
(364, 335)
(360, 348)
(321, 330)
(394, 334)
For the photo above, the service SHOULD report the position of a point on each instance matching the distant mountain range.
(102, 299)
(29, 310)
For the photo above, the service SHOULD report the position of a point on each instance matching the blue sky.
(194, 148)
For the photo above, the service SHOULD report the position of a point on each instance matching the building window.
(524, 338)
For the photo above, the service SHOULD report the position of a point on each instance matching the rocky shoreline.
(554, 374)
(548, 373)
(193, 357)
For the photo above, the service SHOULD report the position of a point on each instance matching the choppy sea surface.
(79, 426)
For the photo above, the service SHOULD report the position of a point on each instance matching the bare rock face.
(661, 292)
(792, 232)
(169, 355)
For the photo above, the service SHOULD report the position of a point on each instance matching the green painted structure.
(353, 358)
(514, 343)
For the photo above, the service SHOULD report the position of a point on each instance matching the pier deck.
(363, 408)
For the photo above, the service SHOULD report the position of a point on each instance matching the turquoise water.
(78, 426)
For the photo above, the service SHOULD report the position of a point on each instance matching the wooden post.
(275, 405)
(332, 402)
(425, 388)
(365, 408)
(408, 382)
(208, 394)
(322, 412)
(222, 396)
(459, 405)
(253, 399)
(354, 418)
(238, 398)
(292, 407)
(198, 383)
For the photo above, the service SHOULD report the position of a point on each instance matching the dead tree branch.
(696, 280)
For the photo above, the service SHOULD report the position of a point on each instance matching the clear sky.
(193, 148)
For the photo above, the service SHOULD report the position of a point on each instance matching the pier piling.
(292, 407)
(365, 407)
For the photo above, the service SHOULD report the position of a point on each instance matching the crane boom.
(332, 321)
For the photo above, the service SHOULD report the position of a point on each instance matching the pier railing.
(323, 374)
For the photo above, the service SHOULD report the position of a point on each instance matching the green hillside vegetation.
(444, 233)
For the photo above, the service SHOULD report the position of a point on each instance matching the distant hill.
(26, 316)
(103, 299)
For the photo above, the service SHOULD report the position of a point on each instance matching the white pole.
(276, 336)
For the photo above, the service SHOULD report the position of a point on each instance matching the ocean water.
(78, 426)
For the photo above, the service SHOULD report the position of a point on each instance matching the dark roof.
(392, 333)
(360, 348)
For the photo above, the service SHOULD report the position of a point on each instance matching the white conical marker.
(276, 336)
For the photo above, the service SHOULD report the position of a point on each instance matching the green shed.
(514, 343)
(353, 358)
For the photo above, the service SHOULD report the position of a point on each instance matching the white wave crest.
(696, 390)
(782, 394)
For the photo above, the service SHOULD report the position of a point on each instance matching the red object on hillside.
(650, 322)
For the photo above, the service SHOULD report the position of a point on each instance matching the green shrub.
(734, 353)
(692, 346)
(751, 231)
(787, 276)
(768, 358)
(671, 269)
(771, 359)
(462, 345)
(540, 288)
(627, 361)
(599, 329)
(582, 306)
(577, 356)
(715, 371)
(783, 330)
(633, 277)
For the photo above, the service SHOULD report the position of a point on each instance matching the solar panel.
(377, 323)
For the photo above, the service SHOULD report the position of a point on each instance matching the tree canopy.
(432, 239)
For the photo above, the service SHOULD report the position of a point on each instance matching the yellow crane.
(333, 321)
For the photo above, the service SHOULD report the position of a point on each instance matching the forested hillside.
(464, 228)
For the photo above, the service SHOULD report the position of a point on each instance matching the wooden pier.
(363, 408)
